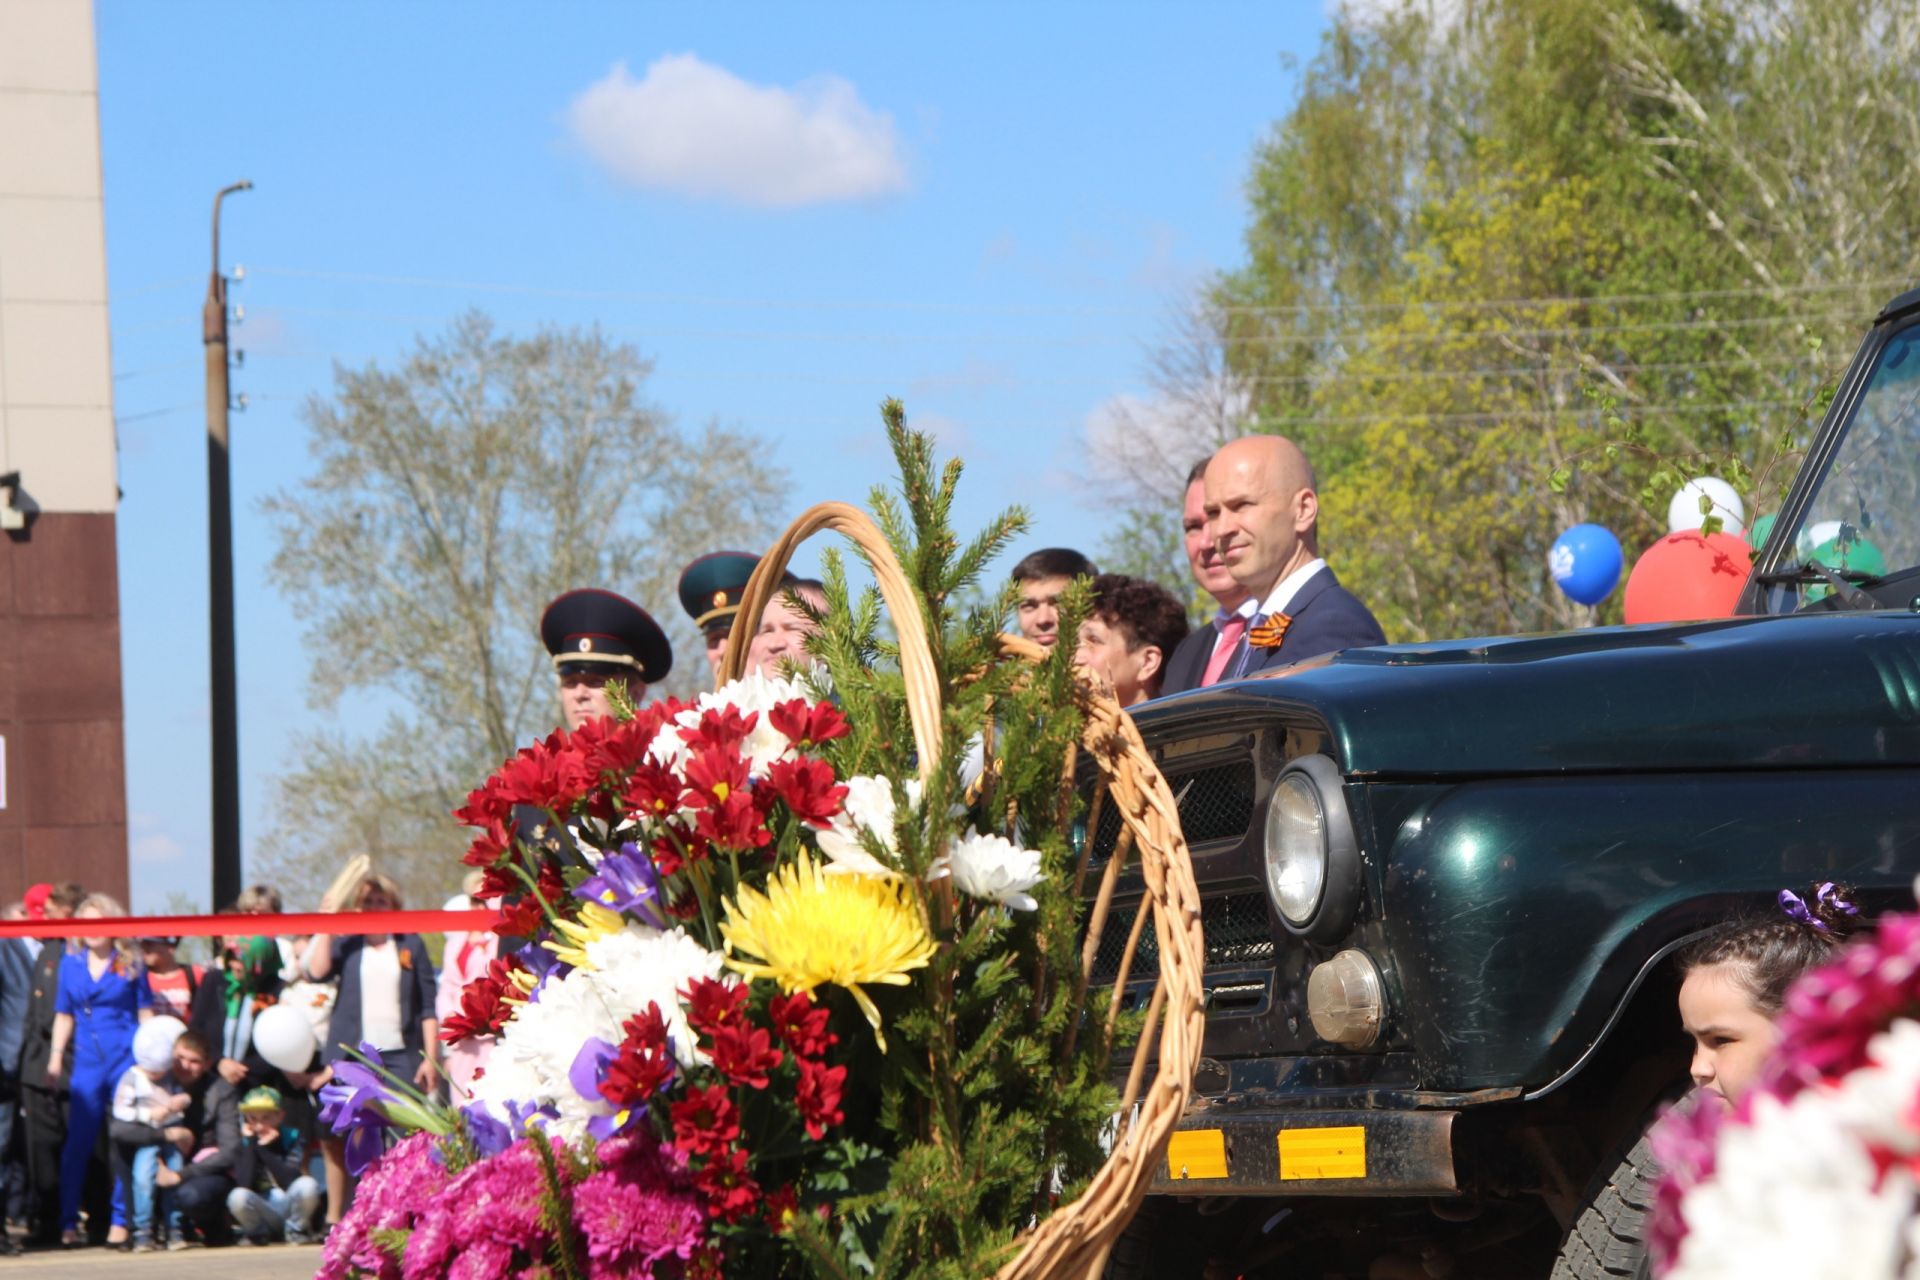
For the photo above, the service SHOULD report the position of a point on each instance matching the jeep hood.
(1818, 690)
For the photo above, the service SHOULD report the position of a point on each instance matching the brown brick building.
(63, 810)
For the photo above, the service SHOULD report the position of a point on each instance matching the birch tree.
(451, 496)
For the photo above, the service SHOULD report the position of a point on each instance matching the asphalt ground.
(267, 1262)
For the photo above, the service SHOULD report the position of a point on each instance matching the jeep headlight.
(1296, 848)
(1313, 858)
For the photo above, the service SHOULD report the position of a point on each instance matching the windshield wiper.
(1846, 583)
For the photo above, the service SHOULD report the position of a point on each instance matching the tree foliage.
(451, 496)
(1537, 262)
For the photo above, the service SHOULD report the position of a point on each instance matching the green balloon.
(1757, 535)
(1858, 556)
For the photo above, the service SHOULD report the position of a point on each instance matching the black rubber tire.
(1158, 1244)
(1608, 1238)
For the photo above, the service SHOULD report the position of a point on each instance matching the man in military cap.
(596, 638)
(710, 591)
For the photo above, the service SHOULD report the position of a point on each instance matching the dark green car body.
(1539, 821)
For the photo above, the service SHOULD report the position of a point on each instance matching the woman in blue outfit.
(103, 997)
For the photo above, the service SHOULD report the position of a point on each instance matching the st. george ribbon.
(334, 922)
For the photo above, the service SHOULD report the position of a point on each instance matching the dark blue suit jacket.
(1326, 618)
(16, 989)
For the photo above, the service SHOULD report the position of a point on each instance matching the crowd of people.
(140, 1113)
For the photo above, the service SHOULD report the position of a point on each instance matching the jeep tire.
(1608, 1237)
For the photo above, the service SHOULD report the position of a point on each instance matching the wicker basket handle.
(902, 601)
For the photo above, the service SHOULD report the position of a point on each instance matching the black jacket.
(36, 1045)
(214, 1117)
(416, 994)
(257, 1167)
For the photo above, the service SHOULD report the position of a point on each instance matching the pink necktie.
(1231, 629)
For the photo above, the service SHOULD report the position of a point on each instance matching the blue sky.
(993, 210)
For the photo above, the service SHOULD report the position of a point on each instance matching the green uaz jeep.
(1441, 881)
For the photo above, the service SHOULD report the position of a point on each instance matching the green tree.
(451, 496)
(1534, 264)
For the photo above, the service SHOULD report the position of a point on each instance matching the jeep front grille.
(1215, 804)
(1236, 928)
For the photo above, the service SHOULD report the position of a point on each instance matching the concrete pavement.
(268, 1262)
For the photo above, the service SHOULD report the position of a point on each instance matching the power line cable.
(1295, 309)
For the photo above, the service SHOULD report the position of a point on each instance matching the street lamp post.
(226, 725)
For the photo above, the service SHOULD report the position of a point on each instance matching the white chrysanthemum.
(638, 966)
(536, 1049)
(869, 807)
(994, 867)
(751, 693)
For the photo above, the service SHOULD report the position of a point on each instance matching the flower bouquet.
(794, 978)
(1816, 1173)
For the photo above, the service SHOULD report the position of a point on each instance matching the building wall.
(64, 814)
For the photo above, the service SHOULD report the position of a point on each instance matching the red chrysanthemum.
(714, 776)
(808, 724)
(484, 1007)
(782, 1206)
(801, 1025)
(810, 789)
(523, 917)
(720, 729)
(818, 1096)
(734, 823)
(744, 1053)
(653, 790)
(730, 1190)
(705, 1121)
(712, 1004)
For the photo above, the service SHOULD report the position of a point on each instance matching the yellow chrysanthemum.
(595, 923)
(810, 927)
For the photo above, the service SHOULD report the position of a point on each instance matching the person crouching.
(271, 1199)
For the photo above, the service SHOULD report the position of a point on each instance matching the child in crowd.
(145, 1100)
(271, 1198)
(172, 983)
(1734, 981)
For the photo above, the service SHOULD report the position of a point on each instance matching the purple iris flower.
(626, 882)
(490, 1136)
(351, 1105)
(589, 1065)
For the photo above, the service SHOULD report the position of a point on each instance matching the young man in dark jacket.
(209, 1134)
(271, 1197)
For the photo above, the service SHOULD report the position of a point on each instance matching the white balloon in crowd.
(153, 1042)
(1684, 512)
(284, 1037)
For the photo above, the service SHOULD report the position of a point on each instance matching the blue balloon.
(1585, 562)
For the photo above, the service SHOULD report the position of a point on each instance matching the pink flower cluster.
(637, 1212)
(389, 1198)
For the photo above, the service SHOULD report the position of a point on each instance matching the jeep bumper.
(1311, 1153)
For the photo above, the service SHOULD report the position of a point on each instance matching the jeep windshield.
(1858, 543)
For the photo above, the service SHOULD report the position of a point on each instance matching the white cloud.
(150, 842)
(700, 130)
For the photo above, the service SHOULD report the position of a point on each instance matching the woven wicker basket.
(1074, 1240)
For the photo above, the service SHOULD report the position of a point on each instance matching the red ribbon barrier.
(337, 923)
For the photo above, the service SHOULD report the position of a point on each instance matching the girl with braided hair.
(1734, 980)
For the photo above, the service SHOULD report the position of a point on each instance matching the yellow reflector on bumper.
(1197, 1153)
(1323, 1153)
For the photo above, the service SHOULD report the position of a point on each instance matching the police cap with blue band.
(598, 632)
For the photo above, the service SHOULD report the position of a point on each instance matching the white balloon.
(284, 1037)
(1684, 512)
(153, 1042)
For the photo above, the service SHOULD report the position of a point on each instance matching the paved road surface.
(270, 1262)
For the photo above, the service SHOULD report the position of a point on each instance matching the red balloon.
(1685, 576)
